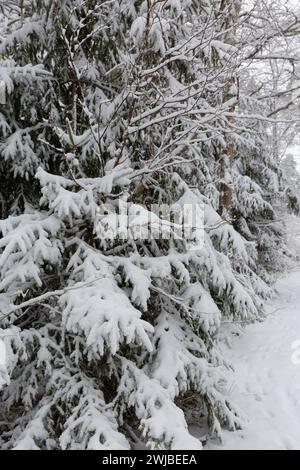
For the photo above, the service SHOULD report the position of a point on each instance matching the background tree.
(111, 339)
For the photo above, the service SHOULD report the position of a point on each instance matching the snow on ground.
(266, 382)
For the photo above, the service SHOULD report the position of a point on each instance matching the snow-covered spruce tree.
(252, 192)
(108, 339)
(235, 188)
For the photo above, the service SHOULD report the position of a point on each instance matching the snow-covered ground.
(266, 382)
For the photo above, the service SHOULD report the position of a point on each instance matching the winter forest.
(118, 329)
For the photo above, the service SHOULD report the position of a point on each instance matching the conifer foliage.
(110, 341)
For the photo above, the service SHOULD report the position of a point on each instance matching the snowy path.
(266, 383)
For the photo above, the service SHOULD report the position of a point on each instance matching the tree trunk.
(229, 10)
